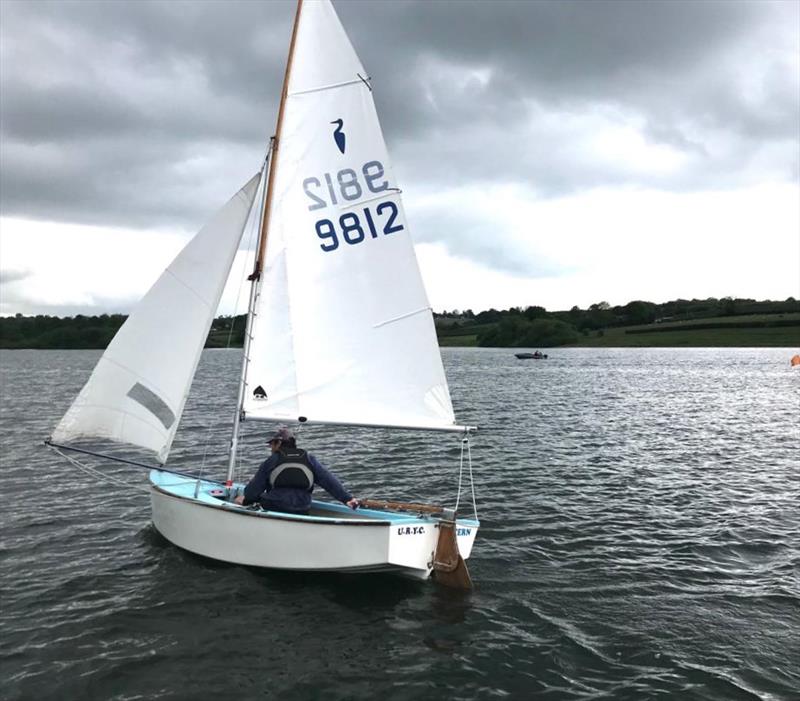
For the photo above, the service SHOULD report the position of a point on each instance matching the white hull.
(332, 538)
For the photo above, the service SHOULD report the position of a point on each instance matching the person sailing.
(285, 480)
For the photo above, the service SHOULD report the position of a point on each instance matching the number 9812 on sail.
(353, 226)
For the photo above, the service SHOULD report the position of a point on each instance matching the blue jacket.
(290, 499)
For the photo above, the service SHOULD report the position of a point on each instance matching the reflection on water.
(640, 539)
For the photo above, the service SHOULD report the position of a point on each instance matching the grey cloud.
(477, 238)
(101, 102)
(8, 276)
(572, 52)
(145, 113)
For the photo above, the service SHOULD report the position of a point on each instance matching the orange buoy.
(795, 361)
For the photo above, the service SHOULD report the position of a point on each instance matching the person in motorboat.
(285, 480)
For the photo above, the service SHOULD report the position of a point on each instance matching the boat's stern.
(466, 532)
(413, 541)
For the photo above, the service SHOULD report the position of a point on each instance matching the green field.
(757, 330)
(711, 338)
(781, 330)
(467, 340)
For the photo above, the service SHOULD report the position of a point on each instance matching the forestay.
(343, 331)
(137, 392)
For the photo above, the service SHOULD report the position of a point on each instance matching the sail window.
(153, 403)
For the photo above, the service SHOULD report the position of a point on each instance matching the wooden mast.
(255, 276)
(276, 144)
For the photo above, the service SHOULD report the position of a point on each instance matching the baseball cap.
(282, 434)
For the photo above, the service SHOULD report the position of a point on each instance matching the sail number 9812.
(351, 226)
(347, 185)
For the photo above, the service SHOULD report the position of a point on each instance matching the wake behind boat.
(334, 269)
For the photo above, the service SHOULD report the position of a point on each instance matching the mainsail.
(342, 330)
(138, 389)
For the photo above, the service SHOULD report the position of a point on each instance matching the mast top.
(274, 146)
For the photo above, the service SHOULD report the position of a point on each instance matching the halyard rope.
(203, 463)
(253, 229)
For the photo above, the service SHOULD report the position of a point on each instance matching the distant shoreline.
(710, 323)
(779, 336)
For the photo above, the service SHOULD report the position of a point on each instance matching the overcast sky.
(550, 153)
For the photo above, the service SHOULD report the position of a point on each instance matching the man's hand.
(353, 504)
(239, 499)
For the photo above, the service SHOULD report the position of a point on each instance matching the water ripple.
(640, 539)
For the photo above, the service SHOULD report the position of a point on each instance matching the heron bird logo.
(338, 134)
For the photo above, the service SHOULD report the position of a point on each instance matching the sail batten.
(198, 295)
(139, 387)
(320, 88)
(402, 316)
(342, 327)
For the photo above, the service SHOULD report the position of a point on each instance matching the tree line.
(72, 332)
(535, 326)
(516, 327)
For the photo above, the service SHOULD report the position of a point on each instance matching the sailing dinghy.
(339, 331)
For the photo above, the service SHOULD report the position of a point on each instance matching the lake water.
(640, 539)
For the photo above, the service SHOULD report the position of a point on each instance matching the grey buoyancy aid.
(293, 470)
